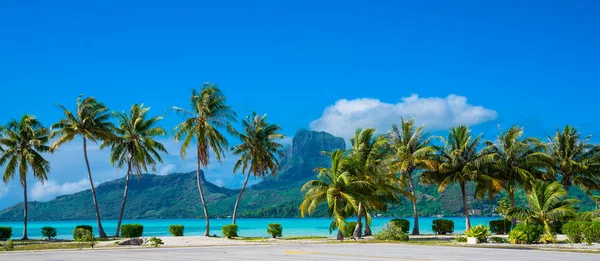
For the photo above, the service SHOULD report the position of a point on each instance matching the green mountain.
(175, 196)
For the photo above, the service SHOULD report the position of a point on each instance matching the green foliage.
(230, 231)
(500, 226)
(5, 233)
(132, 230)
(9, 246)
(276, 230)
(391, 232)
(580, 231)
(403, 224)
(481, 232)
(155, 241)
(83, 235)
(499, 240)
(49, 232)
(348, 228)
(442, 226)
(525, 233)
(176, 230)
(76, 234)
(460, 239)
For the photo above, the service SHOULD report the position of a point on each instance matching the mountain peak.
(307, 143)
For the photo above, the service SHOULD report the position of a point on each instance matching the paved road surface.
(322, 252)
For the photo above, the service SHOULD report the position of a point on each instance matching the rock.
(134, 242)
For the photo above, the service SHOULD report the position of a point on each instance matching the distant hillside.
(176, 196)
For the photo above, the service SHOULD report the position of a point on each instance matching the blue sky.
(325, 65)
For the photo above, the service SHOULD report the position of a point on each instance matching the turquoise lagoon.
(254, 227)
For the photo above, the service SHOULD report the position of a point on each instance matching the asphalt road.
(306, 252)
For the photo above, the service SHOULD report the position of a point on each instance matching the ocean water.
(255, 227)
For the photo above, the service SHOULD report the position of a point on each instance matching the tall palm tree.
(459, 160)
(208, 115)
(548, 203)
(135, 146)
(367, 162)
(258, 151)
(575, 159)
(519, 161)
(412, 152)
(336, 186)
(91, 121)
(23, 142)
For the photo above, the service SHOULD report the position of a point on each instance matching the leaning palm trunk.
(124, 197)
(368, 231)
(415, 211)
(358, 229)
(237, 201)
(24, 209)
(466, 207)
(101, 232)
(199, 180)
(511, 195)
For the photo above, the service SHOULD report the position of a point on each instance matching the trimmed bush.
(580, 231)
(525, 234)
(49, 232)
(5, 233)
(132, 230)
(176, 230)
(155, 241)
(391, 232)
(499, 240)
(442, 226)
(275, 230)
(348, 230)
(230, 231)
(401, 223)
(460, 239)
(481, 232)
(84, 227)
(500, 226)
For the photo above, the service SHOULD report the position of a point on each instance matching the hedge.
(580, 231)
(5, 233)
(500, 226)
(84, 227)
(442, 226)
(230, 231)
(132, 230)
(176, 230)
(525, 234)
(401, 223)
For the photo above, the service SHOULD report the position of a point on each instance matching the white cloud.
(166, 169)
(50, 189)
(342, 118)
(3, 190)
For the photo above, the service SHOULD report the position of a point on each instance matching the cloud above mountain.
(343, 117)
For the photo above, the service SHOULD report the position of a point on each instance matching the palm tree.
(23, 141)
(336, 186)
(575, 160)
(135, 146)
(547, 204)
(519, 161)
(209, 113)
(258, 151)
(459, 161)
(91, 121)
(412, 152)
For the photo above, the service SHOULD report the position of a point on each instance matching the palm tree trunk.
(415, 230)
(511, 195)
(24, 209)
(237, 201)
(358, 229)
(466, 206)
(87, 163)
(199, 180)
(368, 231)
(340, 235)
(124, 197)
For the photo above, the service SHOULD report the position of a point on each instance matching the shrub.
(83, 235)
(500, 226)
(132, 230)
(392, 233)
(49, 232)
(275, 230)
(84, 227)
(5, 233)
(348, 230)
(580, 231)
(155, 241)
(592, 234)
(10, 245)
(443, 226)
(499, 240)
(230, 231)
(401, 223)
(525, 234)
(460, 239)
(481, 232)
(176, 230)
